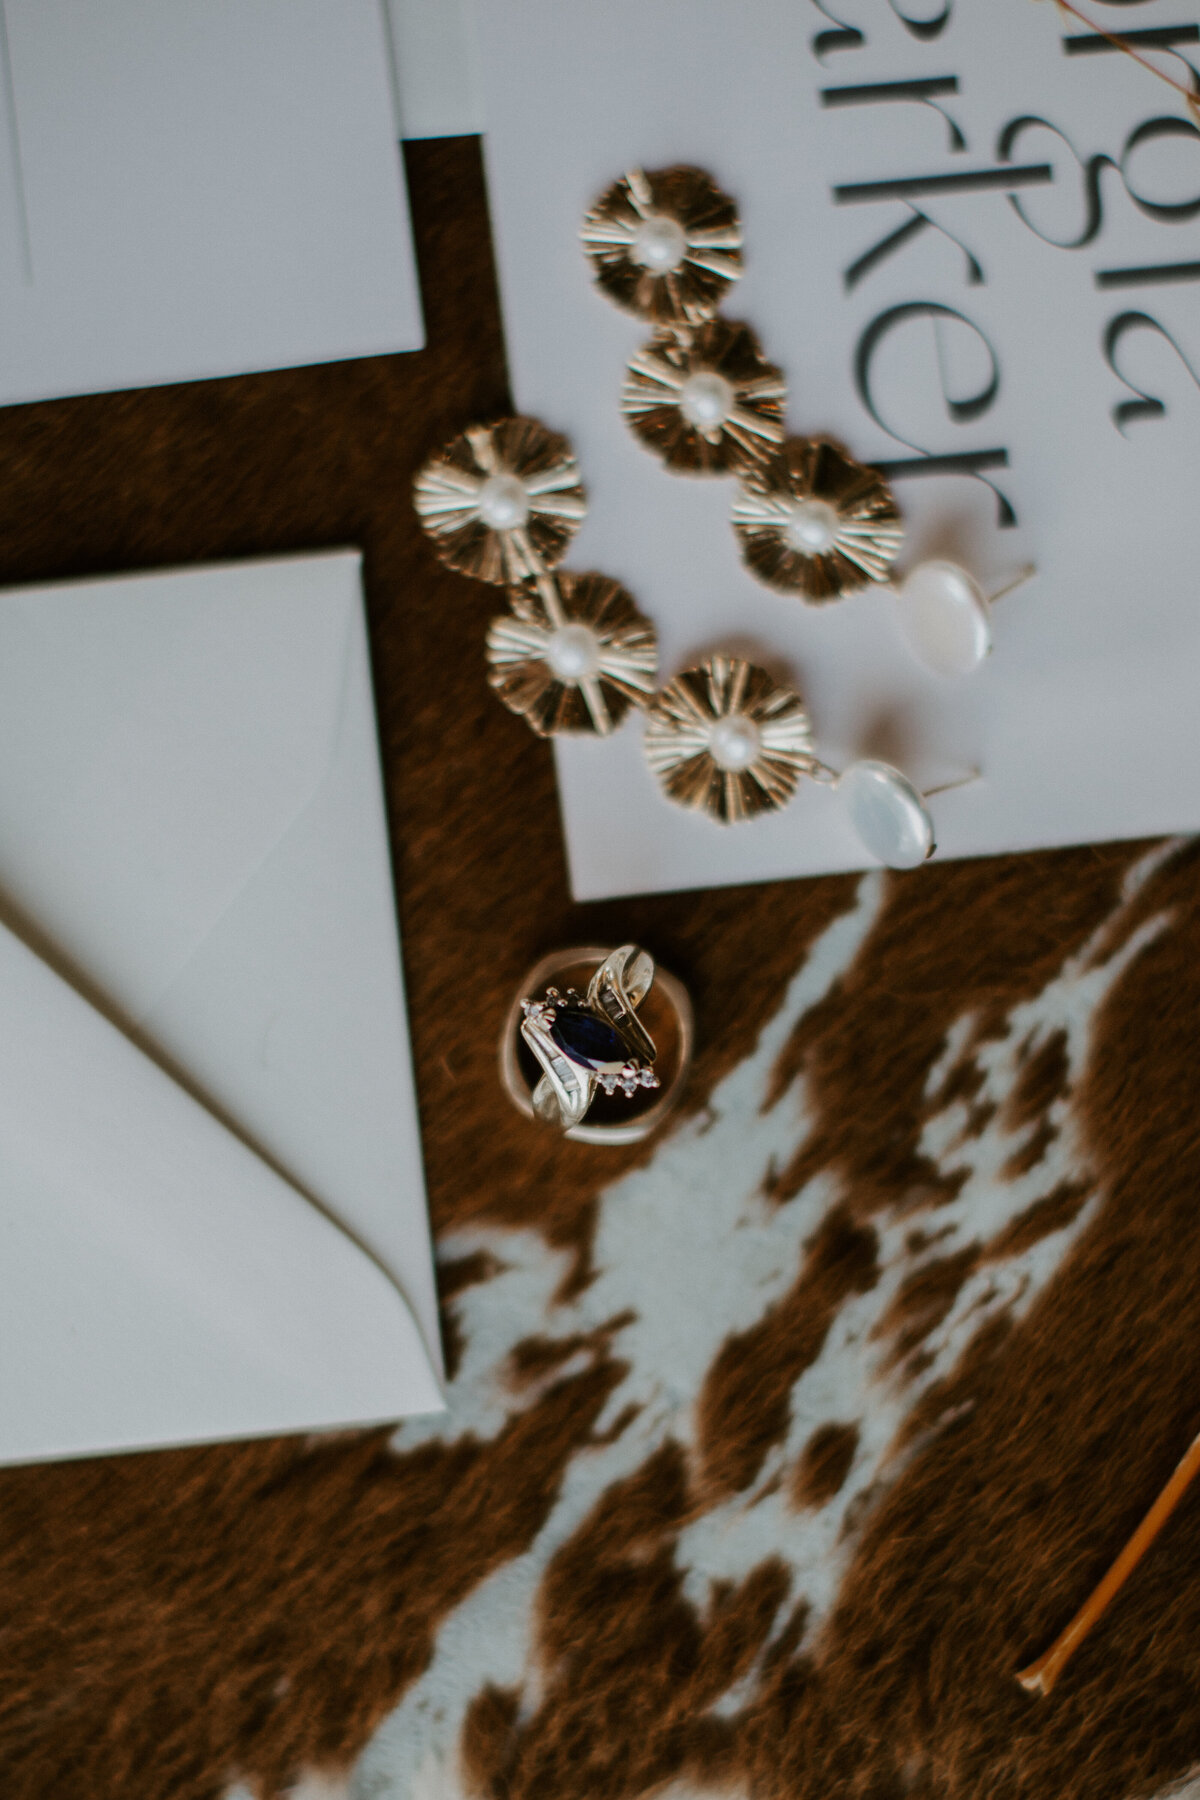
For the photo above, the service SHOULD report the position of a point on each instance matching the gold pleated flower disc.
(727, 740)
(666, 243)
(503, 501)
(574, 656)
(705, 399)
(814, 522)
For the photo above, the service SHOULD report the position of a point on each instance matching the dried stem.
(1041, 1675)
(1119, 43)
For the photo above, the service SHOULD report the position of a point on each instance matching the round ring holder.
(666, 1012)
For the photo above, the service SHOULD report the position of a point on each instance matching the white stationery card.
(972, 243)
(194, 188)
(436, 62)
(212, 1209)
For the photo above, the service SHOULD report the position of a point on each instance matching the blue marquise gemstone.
(588, 1040)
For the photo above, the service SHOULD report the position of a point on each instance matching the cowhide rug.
(774, 1447)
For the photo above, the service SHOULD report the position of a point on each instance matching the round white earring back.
(945, 616)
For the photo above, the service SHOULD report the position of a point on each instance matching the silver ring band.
(582, 1058)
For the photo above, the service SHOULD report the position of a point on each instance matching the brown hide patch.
(978, 937)
(1054, 1212)
(457, 1274)
(924, 1299)
(946, 1403)
(745, 1403)
(489, 1738)
(309, 1583)
(918, 1241)
(962, 1082)
(1002, 1524)
(1044, 1078)
(632, 1670)
(454, 1277)
(535, 1359)
(979, 1117)
(1029, 1154)
(824, 1464)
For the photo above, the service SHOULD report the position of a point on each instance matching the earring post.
(945, 787)
(1018, 580)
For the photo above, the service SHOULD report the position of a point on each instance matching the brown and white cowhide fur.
(774, 1446)
(778, 1557)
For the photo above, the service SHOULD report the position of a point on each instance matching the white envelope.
(194, 188)
(212, 1215)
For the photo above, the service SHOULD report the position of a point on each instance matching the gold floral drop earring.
(813, 522)
(704, 398)
(666, 244)
(502, 503)
(574, 653)
(725, 739)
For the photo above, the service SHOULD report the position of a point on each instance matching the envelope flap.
(290, 1018)
(161, 1283)
(158, 735)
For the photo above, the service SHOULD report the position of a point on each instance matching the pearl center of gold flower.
(503, 503)
(706, 399)
(572, 653)
(734, 743)
(658, 244)
(812, 527)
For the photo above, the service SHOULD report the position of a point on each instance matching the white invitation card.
(972, 243)
(436, 62)
(194, 188)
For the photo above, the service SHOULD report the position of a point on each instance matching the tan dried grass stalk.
(1041, 1675)
(1191, 99)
